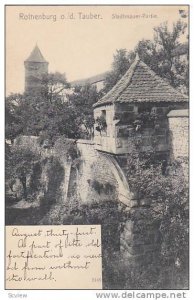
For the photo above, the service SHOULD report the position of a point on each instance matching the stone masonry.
(179, 133)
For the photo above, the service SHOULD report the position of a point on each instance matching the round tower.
(35, 67)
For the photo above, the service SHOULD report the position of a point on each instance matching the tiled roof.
(141, 84)
(90, 80)
(36, 56)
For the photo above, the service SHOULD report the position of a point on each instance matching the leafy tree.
(54, 86)
(13, 119)
(19, 165)
(166, 42)
(147, 51)
(120, 65)
(82, 104)
(57, 111)
(45, 114)
(158, 54)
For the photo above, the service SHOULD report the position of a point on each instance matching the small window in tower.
(101, 122)
(144, 109)
(104, 113)
(154, 110)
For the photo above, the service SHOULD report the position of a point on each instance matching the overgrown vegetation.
(160, 54)
(164, 187)
(167, 193)
(101, 123)
(58, 110)
(162, 209)
(20, 165)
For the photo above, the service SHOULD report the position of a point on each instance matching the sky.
(75, 45)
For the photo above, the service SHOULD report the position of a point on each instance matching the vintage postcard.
(96, 149)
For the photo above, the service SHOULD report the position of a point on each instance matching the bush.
(167, 191)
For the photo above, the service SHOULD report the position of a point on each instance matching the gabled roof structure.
(141, 85)
(90, 80)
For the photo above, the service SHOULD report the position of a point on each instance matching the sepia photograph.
(97, 147)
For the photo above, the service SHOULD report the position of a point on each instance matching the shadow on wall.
(55, 177)
(43, 190)
(101, 173)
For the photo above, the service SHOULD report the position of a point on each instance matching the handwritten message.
(53, 257)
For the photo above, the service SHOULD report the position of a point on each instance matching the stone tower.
(35, 67)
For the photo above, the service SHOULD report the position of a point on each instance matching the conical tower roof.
(36, 56)
(141, 85)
